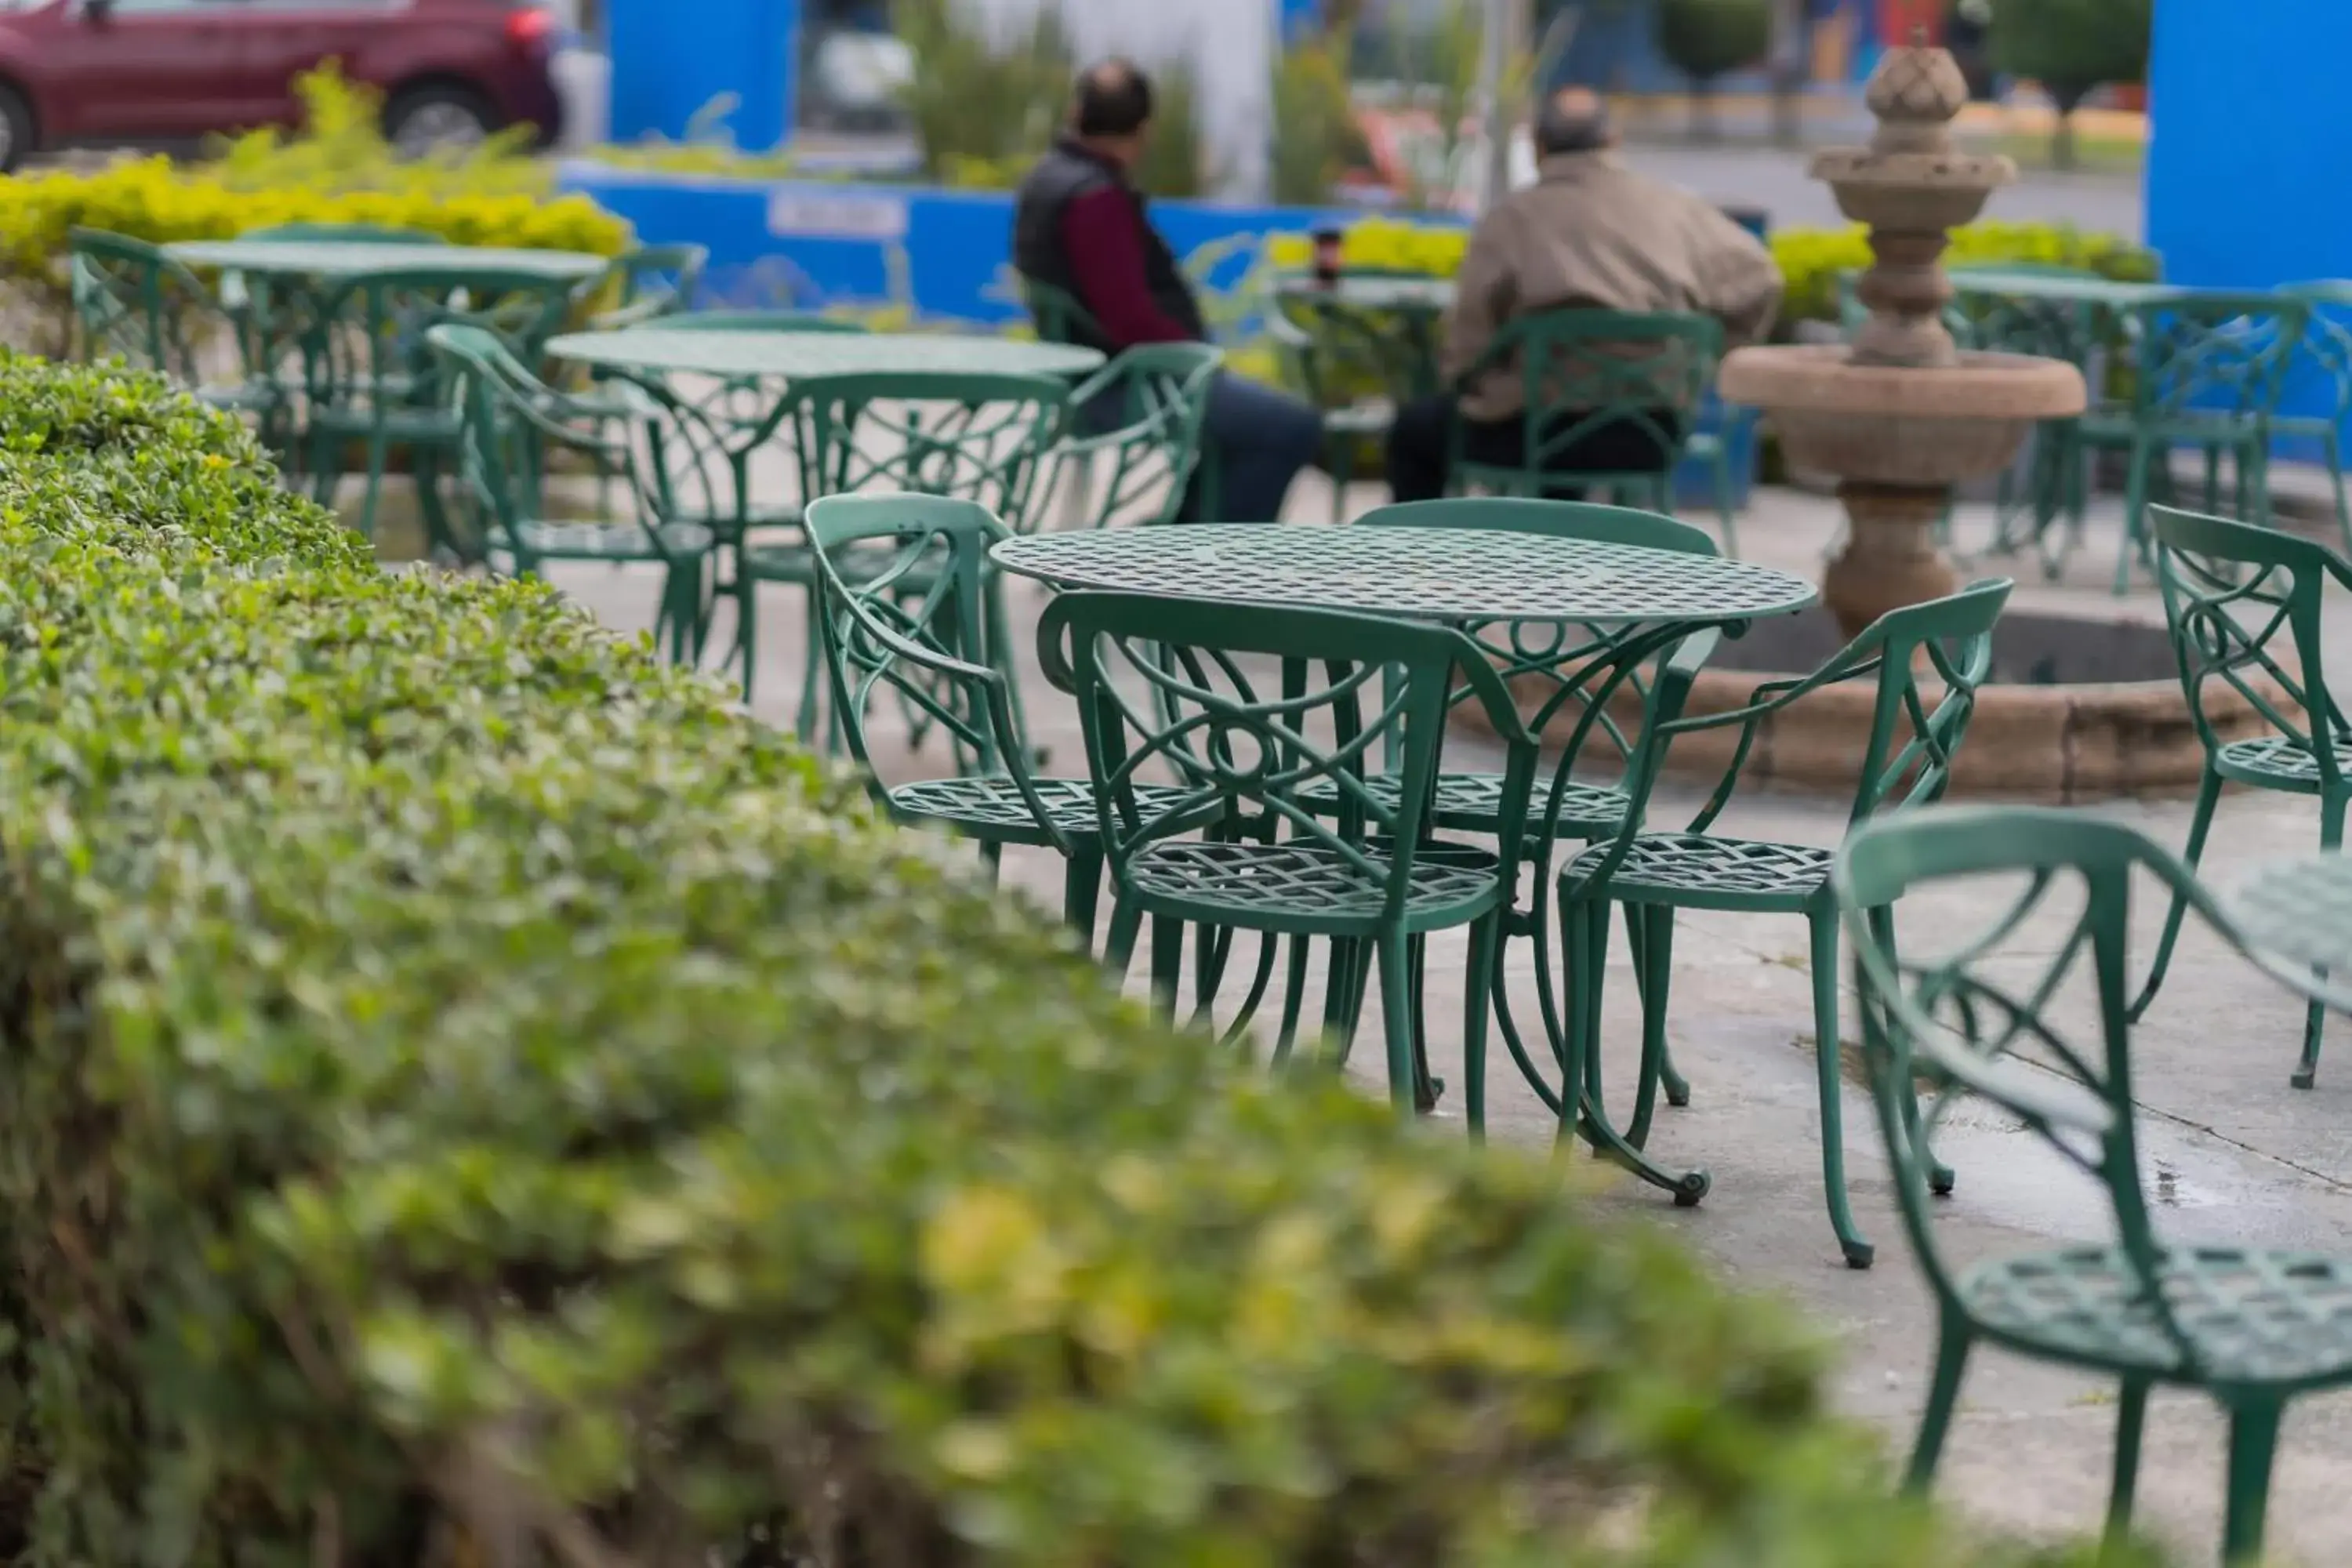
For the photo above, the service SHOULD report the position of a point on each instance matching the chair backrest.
(2327, 336)
(663, 454)
(759, 322)
(1140, 418)
(1581, 371)
(2236, 598)
(371, 233)
(1927, 661)
(1163, 688)
(1058, 316)
(1943, 1018)
(369, 339)
(2213, 352)
(1583, 666)
(649, 283)
(902, 611)
(977, 437)
(133, 301)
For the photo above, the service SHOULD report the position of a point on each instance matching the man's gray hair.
(1573, 119)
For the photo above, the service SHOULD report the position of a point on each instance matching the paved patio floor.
(2234, 1154)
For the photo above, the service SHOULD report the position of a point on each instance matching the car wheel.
(16, 129)
(425, 119)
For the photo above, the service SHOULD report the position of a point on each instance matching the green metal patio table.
(2294, 917)
(783, 355)
(327, 260)
(1459, 576)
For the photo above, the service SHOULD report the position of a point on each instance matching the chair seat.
(1674, 868)
(995, 808)
(241, 398)
(2220, 425)
(589, 541)
(1473, 803)
(2275, 761)
(2249, 1316)
(796, 563)
(1286, 883)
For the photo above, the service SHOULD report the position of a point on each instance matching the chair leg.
(2134, 515)
(1484, 939)
(1952, 1345)
(1428, 1089)
(1396, 1016)
(804, 723)
(1655, 961)
(2131, 1416)
(1827, 1055)
(2209, 796)
(1677, 1087)
(1167, 963)
(1343, 993)
(2253, 1444)
(1583, 1009)
(2314, 1018)
(992, 855)
(1118, 947)
(1081, 887)
(1294, 999)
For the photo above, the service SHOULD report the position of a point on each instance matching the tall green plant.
(2071, 47)
(1171, 165)
(1706, 39)
(974, 98)
(1315, 136)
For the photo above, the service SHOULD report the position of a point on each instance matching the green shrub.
(469, 1095)
(975, 101)
(2071, 47)
(1707, 39)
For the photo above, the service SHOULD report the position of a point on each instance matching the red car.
(158, 72)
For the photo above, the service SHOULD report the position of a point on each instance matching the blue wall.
(671, 57)
(2248, 155)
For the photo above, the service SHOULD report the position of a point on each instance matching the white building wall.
(1229, 43)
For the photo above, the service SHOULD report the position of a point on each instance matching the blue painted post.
(665, 73)
(2247, 150)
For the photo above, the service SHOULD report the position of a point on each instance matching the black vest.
(1064, 174)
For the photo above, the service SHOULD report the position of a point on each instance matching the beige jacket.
(1592, 232)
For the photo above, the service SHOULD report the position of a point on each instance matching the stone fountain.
(1902, 416)
(2085, 703)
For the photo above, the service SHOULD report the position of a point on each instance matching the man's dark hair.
(1114, 99)
(1573, 119)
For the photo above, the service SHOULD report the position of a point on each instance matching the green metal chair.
(1581, 372)
(1163, 683)
(1927, 661)
(978, 438)
(1149, 403)
(903, 610)
(2207, 372)
(133, 301)
(1059, 318)
(2255, 1328)
(370, 380)
(2244, 604)
(1589, 675)
(653, 282)
(663, 455)
(2326, 348)
(1355, 366)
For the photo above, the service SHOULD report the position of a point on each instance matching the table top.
(1423, 574)
(2004, 285)
(2296, 916)
(1426, 295)
(343, 258)
(754, 353)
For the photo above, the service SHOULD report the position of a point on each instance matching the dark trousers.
(1421, 448)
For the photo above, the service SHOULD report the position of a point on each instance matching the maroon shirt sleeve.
(1106, 258)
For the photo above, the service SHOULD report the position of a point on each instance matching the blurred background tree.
(1709, 39)
(2071, 47)
(1315, 137)
(976, 101)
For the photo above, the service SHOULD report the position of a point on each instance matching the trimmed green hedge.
(464, 1086)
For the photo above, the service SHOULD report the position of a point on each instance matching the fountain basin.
(2077, 710)
(1892, 425)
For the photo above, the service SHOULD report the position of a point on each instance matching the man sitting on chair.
(1590, 233)
(1079, 225)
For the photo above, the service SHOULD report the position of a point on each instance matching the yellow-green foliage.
(339, 170)
(1810, 259)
